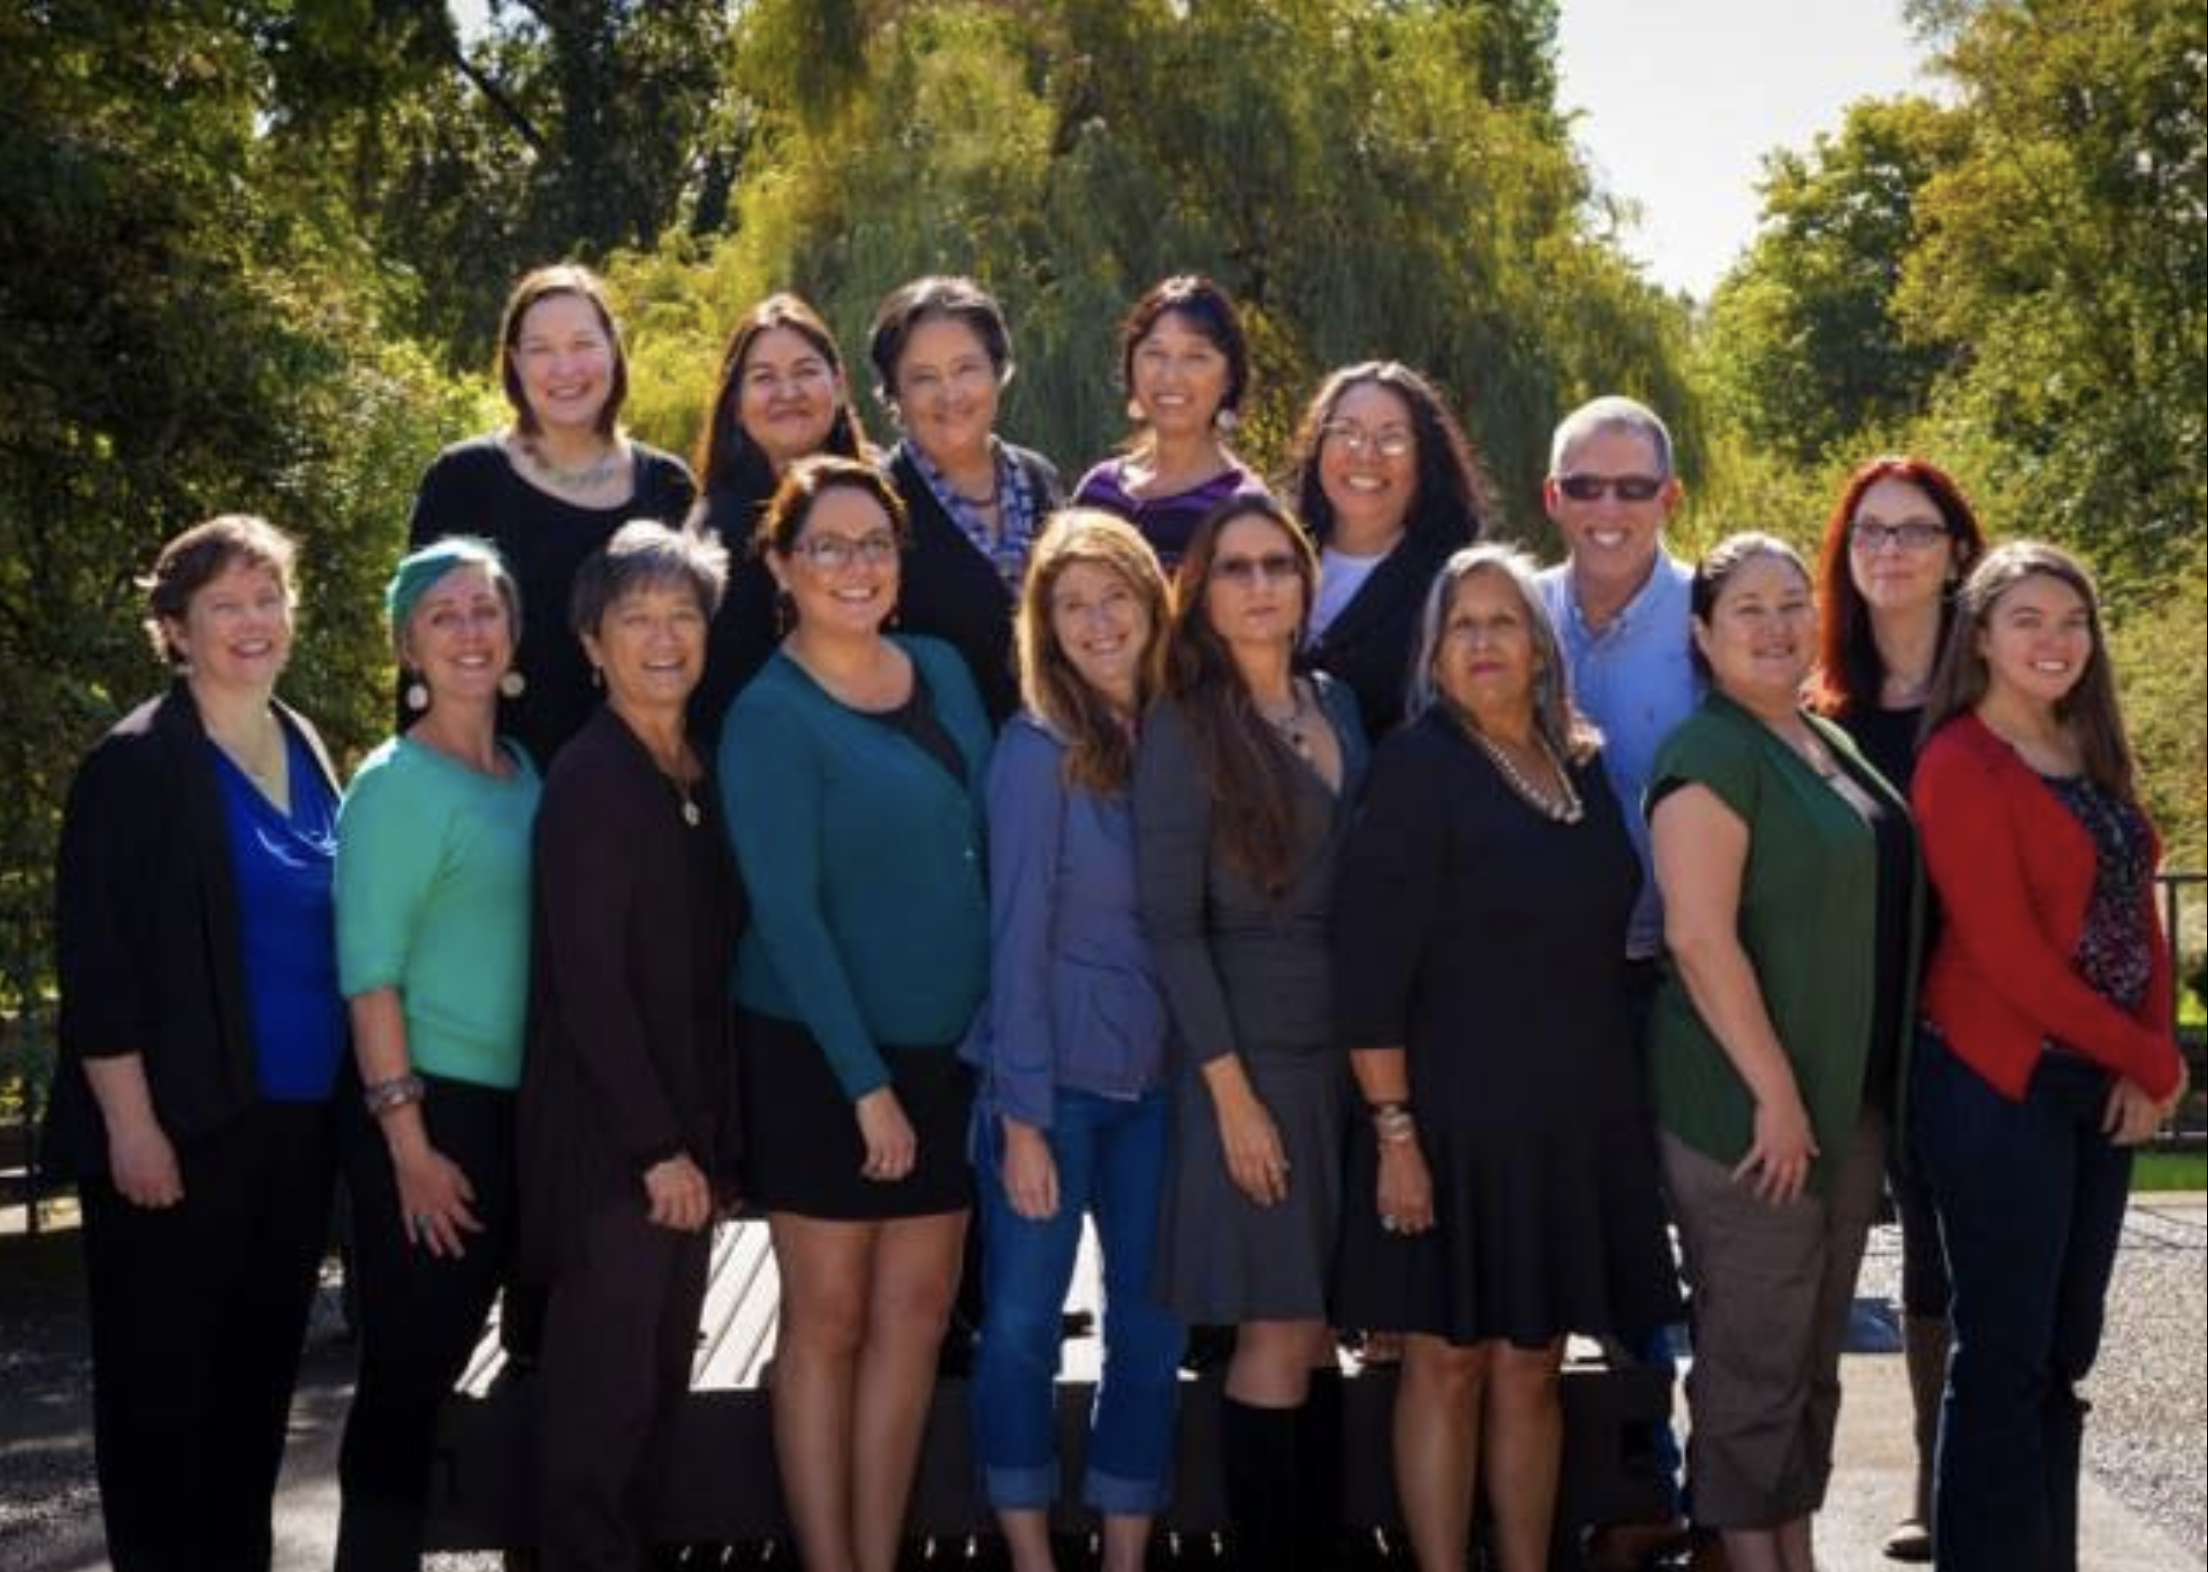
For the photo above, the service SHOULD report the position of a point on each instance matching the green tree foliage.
(1343, 167)
(190, 339)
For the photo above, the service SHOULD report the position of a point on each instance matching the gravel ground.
(2149, 1391)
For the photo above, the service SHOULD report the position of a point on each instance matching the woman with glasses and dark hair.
(201, 1037)
(1778, 1043)
(1184, 362)
(852, 768)
(974, 502)
(2047, 1053)
(1242, 792)
(1386, 482)
(433, 871)
(627, 1140)
(1502, 1188)
(780, 395)
(1900, 540)
(553, 486)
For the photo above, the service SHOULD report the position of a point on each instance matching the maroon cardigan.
(2015, 873)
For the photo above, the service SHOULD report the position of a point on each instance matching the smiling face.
(946, 390)
(786, 396)
(1613, 538)
(1253, 593)
(235, 634)
(564, 359)
(460, 637)
(1761, 636)
(1368, 461)
(1101, 625)
(650, 648)
(2036, 640)
(1488, 660)
(841, 573)
(1178, 377)
(1900, 554)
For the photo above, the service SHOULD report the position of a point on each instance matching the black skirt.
(803, 1151)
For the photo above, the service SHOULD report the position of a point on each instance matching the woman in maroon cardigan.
(2048, 1050)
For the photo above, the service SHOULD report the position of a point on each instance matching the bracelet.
(1393, 1123)
(397, 1092)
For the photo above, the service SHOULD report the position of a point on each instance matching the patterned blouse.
(2115, 951)
(1018, 507)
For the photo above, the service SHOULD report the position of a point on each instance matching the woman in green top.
(433, 954)
(1791, 886)
(852, 768)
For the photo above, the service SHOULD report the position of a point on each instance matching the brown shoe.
(1631, 1547)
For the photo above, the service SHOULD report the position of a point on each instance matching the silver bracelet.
(397, 1092)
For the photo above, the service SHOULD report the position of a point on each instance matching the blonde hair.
(1100, 752)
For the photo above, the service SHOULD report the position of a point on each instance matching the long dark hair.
(1449, 508)
(2090, 709)
(1848, 668)
(726, 458)
(1252, 789)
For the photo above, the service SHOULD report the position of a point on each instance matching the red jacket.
(2014, 870)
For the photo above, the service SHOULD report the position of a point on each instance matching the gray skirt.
(1222, 1258)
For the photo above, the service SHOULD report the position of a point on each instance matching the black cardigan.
(952, 592)
(1370, 645)
(635, 923)
(148, 933)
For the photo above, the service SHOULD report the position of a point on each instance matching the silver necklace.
(1567, 809)
(587, 477)
(1289, 727)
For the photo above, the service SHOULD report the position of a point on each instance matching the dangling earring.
(513, 684)
(785, 612)
(598, 676)
(1226, 420)
(896, 616)
(417, 696)
(1134, 410)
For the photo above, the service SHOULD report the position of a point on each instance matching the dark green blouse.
(1809, 924)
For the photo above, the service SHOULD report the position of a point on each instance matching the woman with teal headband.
(433, 884)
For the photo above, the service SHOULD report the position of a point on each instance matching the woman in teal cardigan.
(1791, 897)
(852, 767)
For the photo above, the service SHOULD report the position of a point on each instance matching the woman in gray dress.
(1241, 789)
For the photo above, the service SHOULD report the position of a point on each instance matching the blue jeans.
(1111, 1164)
(2031, 1199)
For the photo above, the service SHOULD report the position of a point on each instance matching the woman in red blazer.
(2048, 1045)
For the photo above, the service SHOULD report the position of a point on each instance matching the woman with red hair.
(1899, 541)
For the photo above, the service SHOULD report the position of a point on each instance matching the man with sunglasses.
(1620, 604)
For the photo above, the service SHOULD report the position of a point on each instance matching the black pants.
(620, 1331)
(198, 1311)
(420, 1316)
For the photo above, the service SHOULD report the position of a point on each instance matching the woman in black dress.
(1501, 1189)
(552, 487)
(781, 395)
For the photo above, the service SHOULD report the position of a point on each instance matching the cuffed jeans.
(2031, 1199)
(1111, 1157)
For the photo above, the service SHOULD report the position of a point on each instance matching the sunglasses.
(1626, 488)
(1247, 571)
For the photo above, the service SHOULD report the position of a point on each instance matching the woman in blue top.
(433, 954)
(201, 1033)
(852, 768)
(1074, 1117)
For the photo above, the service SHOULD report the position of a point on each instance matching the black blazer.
(630, 1049)
(148, 933)
(952, 592)
(1370, 645)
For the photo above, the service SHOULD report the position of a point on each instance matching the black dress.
(1489, 940)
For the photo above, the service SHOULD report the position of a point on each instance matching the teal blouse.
(863, 860)
(1808, 922)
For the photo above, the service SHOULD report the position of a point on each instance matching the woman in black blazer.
(201, 1036)
(1388, 486)
(942, 354)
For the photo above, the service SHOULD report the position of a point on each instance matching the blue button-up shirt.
(1636, 680)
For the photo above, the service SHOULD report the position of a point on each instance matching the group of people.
(1363, 927)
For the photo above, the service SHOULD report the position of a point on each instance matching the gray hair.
(1611, 412)
(645, 554)
(1555, 714)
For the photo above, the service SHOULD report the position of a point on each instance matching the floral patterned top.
(2115, 952)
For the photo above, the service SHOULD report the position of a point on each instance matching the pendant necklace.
(1289, 727)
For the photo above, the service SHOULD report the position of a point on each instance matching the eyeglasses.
(1626, 488)
(1392, 442)
(1869, 536)
(1245, 572)
(836, 552)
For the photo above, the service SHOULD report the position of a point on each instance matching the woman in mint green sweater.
(852, 767)
(433, 955)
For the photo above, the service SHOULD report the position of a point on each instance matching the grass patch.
(2165, 1171)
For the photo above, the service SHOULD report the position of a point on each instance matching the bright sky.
(1681, 99)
